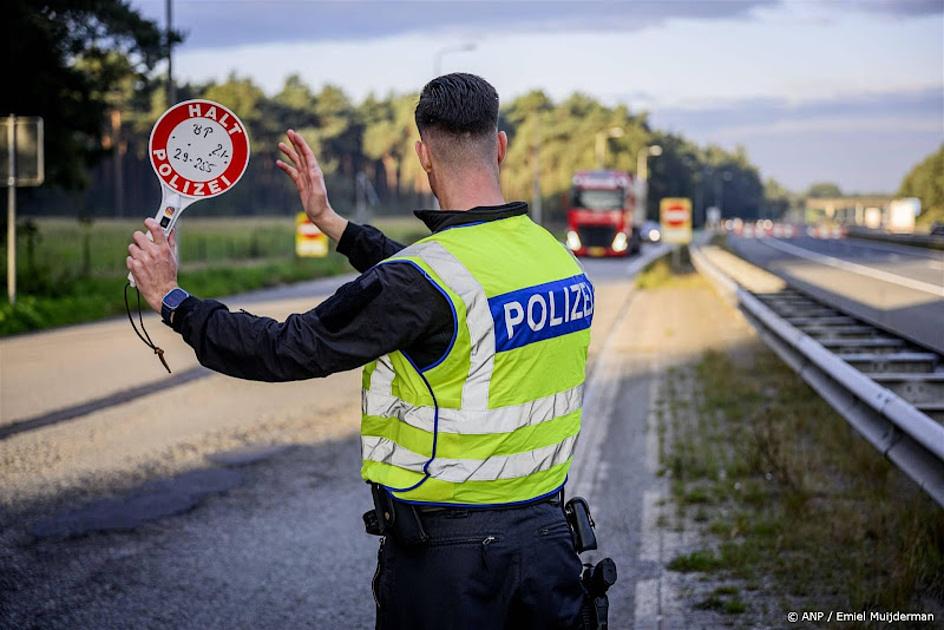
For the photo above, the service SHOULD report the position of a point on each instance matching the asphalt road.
(895, 287)
(130, 499)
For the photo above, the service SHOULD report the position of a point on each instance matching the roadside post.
(310, 242)
(713, 217)
(675, 216)
(24, 166)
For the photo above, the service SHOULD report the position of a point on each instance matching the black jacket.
(388, 307)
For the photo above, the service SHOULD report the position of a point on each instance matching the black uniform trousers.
(482, 569)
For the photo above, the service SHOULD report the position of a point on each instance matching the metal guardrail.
(824, 345)
(915, 240)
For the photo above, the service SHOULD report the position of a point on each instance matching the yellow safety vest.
(496, 418)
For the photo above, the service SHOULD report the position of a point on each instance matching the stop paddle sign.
(198, 149)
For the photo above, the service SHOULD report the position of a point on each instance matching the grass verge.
(70, 273)
(88, 299)
(673, 269)
(794, 499)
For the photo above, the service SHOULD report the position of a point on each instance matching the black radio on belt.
(577, 513)
(396, 518)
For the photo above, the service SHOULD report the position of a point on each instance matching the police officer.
(474, 345)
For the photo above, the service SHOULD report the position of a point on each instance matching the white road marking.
(652, 426)
(599, 402)
(930, 257)
(863, 270)
(600, 393)
(646, 616)
(646, 256)
(649, 538)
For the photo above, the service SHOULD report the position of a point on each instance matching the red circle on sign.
(212, 118)
(676, 216)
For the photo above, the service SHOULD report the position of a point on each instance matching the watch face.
(173, 299)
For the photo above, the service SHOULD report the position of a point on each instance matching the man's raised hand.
(304, 170)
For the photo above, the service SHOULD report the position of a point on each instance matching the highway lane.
(887, 285)
(167, 510)
(917, 263)
(128, 515)
(41, 373)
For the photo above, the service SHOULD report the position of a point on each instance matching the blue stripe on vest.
(541, 312)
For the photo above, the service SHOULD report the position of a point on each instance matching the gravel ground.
(667, 327)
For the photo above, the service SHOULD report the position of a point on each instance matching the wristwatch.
(170, 302)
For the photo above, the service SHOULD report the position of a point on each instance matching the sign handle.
(166, 216)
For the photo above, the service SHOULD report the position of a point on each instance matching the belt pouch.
(408, 525)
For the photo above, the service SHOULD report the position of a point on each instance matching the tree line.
(926, 182)
(105, 55)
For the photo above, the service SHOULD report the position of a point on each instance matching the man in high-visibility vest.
(475, 345)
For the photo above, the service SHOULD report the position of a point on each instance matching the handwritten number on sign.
(206, 167)
(220, 151)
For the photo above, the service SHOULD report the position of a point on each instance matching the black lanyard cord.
(145, 337)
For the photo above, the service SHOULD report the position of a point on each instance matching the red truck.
(600, 215)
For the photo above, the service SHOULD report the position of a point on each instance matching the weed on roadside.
(792, 498)
(668, 271)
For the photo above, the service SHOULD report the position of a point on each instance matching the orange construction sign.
(675, 215)
(310, 242)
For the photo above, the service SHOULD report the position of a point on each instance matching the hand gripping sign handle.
(172, 204)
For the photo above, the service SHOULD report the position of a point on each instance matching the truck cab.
(600, 214)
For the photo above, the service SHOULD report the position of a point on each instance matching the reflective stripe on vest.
(474, 422)
(478, 444)
(462, 470)
(478, 319)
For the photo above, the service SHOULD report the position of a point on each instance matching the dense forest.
(366, 150)
(91, 69)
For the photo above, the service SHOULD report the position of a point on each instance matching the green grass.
(69, 273)
(669, 270)
(788, 495)
(656, 274)
(702, 561)
(797, 498)
(721, 603)
(99, 248)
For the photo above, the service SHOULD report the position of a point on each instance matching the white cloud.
(778, 57)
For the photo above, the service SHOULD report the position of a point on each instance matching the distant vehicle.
(901, 215)
(600, 215)
(937, 229)
(651, 231)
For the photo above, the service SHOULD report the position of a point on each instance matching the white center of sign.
(199, 149)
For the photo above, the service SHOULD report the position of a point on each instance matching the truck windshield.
(598, 199)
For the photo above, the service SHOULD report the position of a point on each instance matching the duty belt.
(391, 516)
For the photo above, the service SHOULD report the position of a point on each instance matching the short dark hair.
(459, 104)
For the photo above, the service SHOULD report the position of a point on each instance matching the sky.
(849, 92)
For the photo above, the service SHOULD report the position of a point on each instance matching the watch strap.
(167, 312)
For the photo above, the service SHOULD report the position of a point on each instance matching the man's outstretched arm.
(391, 307)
